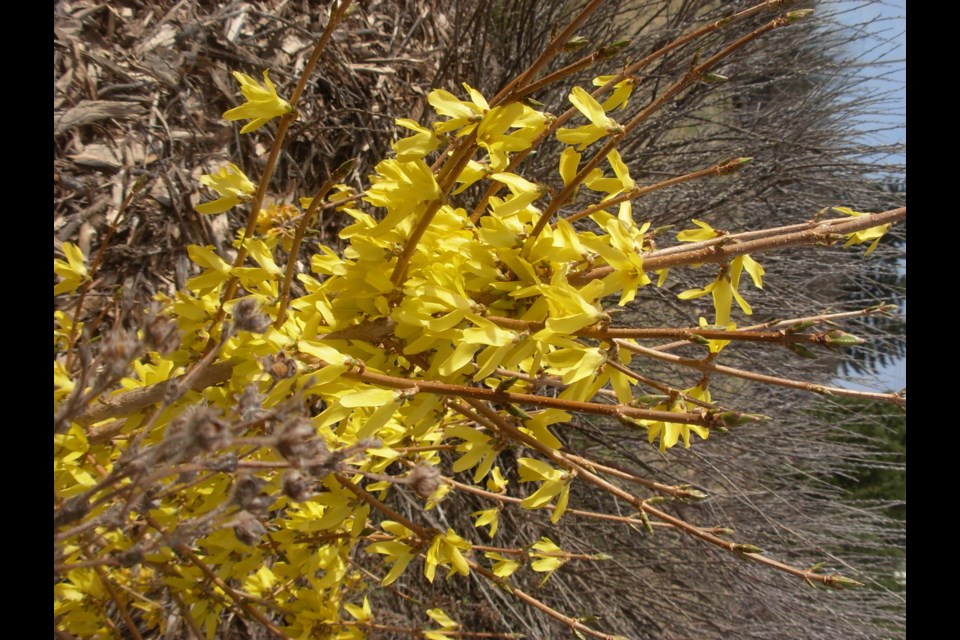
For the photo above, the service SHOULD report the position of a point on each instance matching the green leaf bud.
(797, 327)
(614, 48)
(574, 43)
(698, 339)
(841, 338)
(747, 548)
(517, 412)
(801, 351)
(841, 582)
(800, 14)
(738, 418)
(713, 78)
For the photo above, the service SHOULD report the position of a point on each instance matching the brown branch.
(494, 188)
(817, 319)
(728, 247)
(671, 490)
(721, 169)
(691, 334)
(508, 93)
(709, 367)
(506, 397)
(121, 607)
(469, 488)
(131, 401)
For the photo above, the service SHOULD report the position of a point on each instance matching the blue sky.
(881, 48)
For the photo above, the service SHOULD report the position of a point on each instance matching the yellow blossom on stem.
(448, 627)
(705, 232)
(73, 271)
(233, 186)
(417, 146)
(362, 613)
(447, 550)
(488, 517)
(555, 482)
(858, 237)
(262, 105)
(464, 116)
(600, 123)
(716, 346)
(503, 567)
(620, 183)
(725, 289)
(671, 432)
(549, 557)
(621, 92)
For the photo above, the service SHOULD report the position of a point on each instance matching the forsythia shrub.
(240, 453)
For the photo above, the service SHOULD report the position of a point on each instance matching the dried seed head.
(71, 510)
(119, 350)
(246, 316)
(298, 442)
(205, 430)
(248, 529)
(151, 498)
(227, 463)
(131, 461)
(280, 366)
(247, 494)
(296, 486)
(161, 334)
(250, 404)
(424, 479)
(131, 557)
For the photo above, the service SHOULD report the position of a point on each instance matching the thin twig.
(709, 367)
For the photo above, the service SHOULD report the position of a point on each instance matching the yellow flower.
(705, 232)
(262, 105)
(621, 92)
(620, 183)
(866, 235)
(725, 289)
(447, 550)
(600, 123)
(448, 627)
(417, 146)
(671, 432)
(73, 271)
(463, 115)
(555, 482)
(233, 186)
(503, 567)
(489, 517)
(549, 557)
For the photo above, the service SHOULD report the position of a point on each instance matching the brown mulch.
(139, 90)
